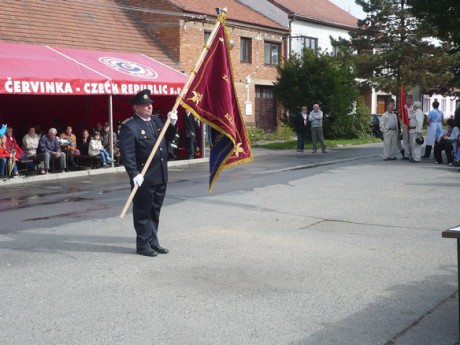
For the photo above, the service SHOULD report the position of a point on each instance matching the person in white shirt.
(316, 123)
(30, 142)
(416, 118)
(96, 148)
(389, 127)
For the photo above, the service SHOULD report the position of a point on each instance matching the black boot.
(427, 151)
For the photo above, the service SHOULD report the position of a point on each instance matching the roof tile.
(97, 25)
(236, 11)
(320, 10)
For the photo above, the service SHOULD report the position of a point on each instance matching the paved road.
(340, 248)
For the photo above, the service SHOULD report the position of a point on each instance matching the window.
(443, 105)
(426, 104)
(206, 36)
(245, 50)
(336, 51)
(271, 53)
(264, 92)
(310, 43)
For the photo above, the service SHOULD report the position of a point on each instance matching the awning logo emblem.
(134, 69)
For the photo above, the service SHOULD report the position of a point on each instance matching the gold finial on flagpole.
(221, 14)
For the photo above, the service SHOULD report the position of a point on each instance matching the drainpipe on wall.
(288, 46)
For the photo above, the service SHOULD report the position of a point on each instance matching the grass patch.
(292, 144)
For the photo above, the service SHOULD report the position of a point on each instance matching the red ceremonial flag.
(402, 110)
(211, 97)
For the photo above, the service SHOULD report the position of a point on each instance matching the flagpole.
(221, 17)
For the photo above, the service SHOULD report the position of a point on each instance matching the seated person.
(68, 142)
(105, 138)
(13, 147)
(30, 145)
(83, 143)
(48, 147)
(4, 158)
(96, 148)
(445, 142)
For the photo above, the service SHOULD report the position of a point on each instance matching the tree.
(326, 80)
(441, 19)
(391, 48)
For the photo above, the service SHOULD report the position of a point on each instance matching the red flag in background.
(211, 98)
(402, 110)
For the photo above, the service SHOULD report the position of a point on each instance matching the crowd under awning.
(56, 86)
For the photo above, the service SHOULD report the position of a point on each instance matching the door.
(265, 110)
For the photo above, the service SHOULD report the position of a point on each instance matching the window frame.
(245, 50)
(272, 45)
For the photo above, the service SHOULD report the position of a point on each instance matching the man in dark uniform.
(138, 135)
(190, 134)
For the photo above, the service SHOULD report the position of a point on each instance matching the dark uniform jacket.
(137, 139)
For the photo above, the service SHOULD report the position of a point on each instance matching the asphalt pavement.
(341, 248)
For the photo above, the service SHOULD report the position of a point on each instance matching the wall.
(321, 32)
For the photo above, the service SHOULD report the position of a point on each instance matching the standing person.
(190, 134)
(389, 127)
(301, 122)
(316, 123)
(416, 118)
(138, 135)
(457, 115)
(434, 122)
(405, 150)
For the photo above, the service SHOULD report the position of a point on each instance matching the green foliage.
(281, 133)
(328, 81)
(255, 134)
(392, 48)
(440, 19)
(331, 143)
(354, 125)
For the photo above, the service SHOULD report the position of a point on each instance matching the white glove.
(172, 116)
(138, 180)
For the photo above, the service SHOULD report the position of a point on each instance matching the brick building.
(183, 26)
(171, 32)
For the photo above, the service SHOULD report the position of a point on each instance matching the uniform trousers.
(416, 149)
(406, 141)
(147, 204)
(389, 143)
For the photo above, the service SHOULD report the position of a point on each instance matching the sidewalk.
(81, 173)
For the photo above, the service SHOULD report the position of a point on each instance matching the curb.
(21, 180)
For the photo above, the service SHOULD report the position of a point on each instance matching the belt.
(412, 127)
(391, 129)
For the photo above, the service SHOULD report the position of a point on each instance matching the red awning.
(43, 70)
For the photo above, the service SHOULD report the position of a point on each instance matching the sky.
(351, 7)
